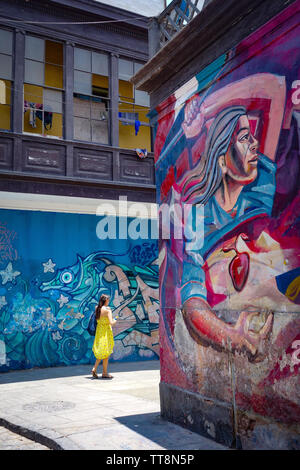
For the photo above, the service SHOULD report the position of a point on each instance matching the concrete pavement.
(64, 408)
(11, 441)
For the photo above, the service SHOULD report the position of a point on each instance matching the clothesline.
(79, 22)
(132, 109)
(36, 110)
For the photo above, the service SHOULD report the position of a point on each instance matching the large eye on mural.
(66, 277)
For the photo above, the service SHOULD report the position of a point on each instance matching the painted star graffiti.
(8, 274)
(49, 266)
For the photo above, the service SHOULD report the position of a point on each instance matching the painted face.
(241, 158)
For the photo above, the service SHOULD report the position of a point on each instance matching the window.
(6, 83)
(134, 127)
(91, 96)
(43, 87)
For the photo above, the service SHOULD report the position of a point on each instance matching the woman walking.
(104, 339)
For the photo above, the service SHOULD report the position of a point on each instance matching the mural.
(51, 281)
(227, 163)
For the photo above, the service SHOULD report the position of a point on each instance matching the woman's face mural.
(240, 161)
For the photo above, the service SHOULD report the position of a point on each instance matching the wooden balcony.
(31, 163)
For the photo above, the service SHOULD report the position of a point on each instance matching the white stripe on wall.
(77, 205)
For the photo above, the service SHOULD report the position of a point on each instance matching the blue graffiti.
(43, 319)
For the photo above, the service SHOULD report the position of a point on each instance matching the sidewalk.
(64, 408)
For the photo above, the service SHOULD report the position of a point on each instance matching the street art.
(7, 252)
(228, 154)
(46, 302)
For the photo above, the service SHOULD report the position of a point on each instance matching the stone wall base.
(215, 420)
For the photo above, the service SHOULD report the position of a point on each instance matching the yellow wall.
(128, 139)
(100, 81)
(125, 90)
(53, 64)
(53, 52)
(53, 76)
(5, 108)
(57, 126)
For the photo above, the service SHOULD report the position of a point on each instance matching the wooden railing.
(177, 15)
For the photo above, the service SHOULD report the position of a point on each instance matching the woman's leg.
(105, 364)
(96, 365)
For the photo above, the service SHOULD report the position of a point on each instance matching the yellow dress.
(104, 339)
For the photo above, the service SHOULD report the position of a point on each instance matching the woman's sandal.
(95, 376)
(108, 376)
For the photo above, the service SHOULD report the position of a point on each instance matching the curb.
(48, 438)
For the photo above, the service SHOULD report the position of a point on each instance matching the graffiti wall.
(53, 270)
(228, 167)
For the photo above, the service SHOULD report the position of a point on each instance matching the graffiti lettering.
(296, 353)
(296, 94)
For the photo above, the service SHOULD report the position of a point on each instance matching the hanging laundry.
(137, 125)
(39, 115)
(32, 115)
(48, 120)
(48, 116)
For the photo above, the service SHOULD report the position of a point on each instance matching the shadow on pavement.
(150, 426)
(166, 434)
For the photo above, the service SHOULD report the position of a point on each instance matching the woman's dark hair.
(207, 175)
(102, 301)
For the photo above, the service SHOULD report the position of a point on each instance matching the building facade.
(65, 88)
(74, 138)
(225, 103)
